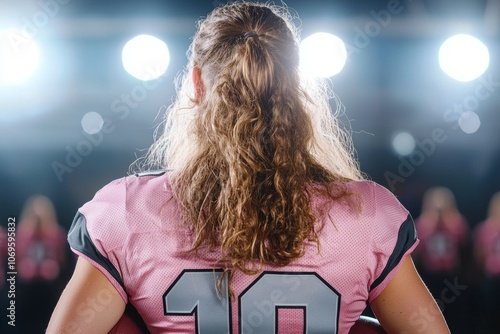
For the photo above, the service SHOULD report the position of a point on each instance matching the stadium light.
(145, 57)
(322, 55)
(463, 57)
(18, 57)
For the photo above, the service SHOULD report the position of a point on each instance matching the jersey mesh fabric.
(290, 316)
(134, 222)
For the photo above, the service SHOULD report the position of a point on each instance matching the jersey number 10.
(195, 292)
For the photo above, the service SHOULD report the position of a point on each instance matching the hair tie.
(250, 34)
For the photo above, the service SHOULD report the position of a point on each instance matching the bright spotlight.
(403, 143)
(463, 57)
(145, 57)
(322, 55)
(18, 57)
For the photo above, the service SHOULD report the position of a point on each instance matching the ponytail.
(248, 156)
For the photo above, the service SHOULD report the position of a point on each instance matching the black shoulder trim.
(407, 236)
(134, 315)
(151, 173)
(79, 239)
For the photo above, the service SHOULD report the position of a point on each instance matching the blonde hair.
(248, 155)
(38, 210)
(439, 199)
(494, 206)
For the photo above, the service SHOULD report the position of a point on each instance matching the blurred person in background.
(443, 232)
(3, 270)
(487, 255)
(41, 257)
(444, 240)
(3, 256)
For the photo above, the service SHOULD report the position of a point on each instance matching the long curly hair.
(249, 153)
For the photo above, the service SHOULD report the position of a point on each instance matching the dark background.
(392, 84)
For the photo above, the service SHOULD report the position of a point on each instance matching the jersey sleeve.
(393, 237)
(99, 231)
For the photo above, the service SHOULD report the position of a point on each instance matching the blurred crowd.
(460, 264)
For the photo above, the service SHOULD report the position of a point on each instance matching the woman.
(263, 223)
(487, 240)
(444, 245)
(41, 263)
(41, 245)
(487, 256)
(443, 232)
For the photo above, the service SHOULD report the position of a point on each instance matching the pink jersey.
(441, 241)
(487, 246)
(40, 252)
(3, 254)
(131, 231)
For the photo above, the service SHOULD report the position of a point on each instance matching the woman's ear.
(199, 89)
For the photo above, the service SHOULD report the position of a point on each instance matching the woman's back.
(135, 223)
